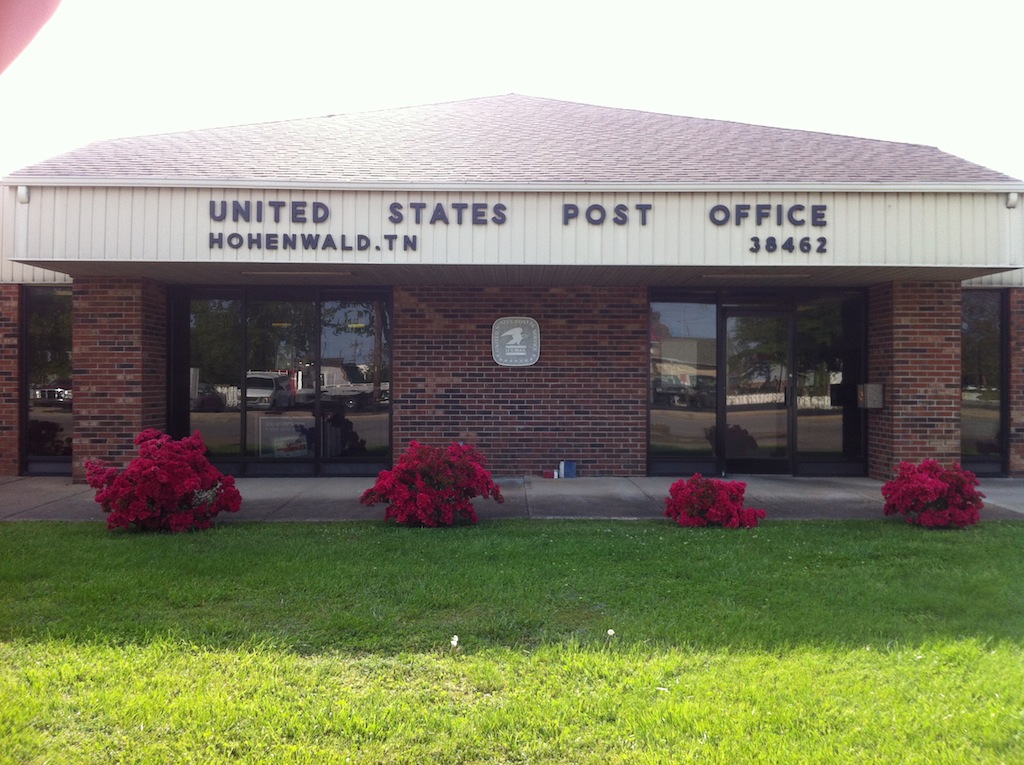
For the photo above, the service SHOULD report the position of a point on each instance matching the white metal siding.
(11, 272)
(1005, 279)
(174, 225)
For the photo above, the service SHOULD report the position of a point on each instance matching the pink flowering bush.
(170, 486)
(934, 496)
(431, 486)
(700, 501)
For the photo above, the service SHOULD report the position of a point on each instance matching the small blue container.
(568, 469)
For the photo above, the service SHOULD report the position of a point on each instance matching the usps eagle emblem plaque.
(515, 341)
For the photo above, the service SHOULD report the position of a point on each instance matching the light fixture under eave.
(753, 275)
(296, 273)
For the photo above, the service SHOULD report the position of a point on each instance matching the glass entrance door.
(757, 382)
(757, 421)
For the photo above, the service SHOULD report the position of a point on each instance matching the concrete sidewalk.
(337, 499)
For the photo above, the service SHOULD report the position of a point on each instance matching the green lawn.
(795, 642)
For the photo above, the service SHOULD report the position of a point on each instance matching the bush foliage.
(700, 501)
(433, 486)
(934, 496)
(170, 486)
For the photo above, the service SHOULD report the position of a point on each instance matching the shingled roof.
(505, 141)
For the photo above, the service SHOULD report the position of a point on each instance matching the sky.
(913, 71)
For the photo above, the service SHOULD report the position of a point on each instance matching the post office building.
(638, 293)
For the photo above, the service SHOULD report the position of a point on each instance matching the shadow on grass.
(367, 587)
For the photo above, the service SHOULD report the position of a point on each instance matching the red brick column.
(120, 366)
(914, 331)
(1016, 383)
(584, 400)
(10, 379)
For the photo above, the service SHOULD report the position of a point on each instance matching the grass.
(794, 642)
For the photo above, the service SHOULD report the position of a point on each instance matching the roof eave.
(927, 187)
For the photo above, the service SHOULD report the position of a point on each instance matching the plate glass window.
(48, 385)
(291, 385)
(983, 414)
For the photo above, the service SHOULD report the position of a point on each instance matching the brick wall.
(914, 331)
(10, 378)
(120, 359)
(1016, 383)
(585, 399)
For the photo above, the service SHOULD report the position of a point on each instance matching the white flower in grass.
(611, 633)
(455, 642)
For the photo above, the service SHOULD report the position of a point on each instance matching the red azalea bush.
(430, 485)
(934, 496)
(700, 501)
(170, 486)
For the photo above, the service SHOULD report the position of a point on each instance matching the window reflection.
(683, 375)
(312, 378)
(215, 328)
(981, 434)
(757, 359)
(828, 360)
(49, 375)
(791, 365)
(355, 375)
(280, 378)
